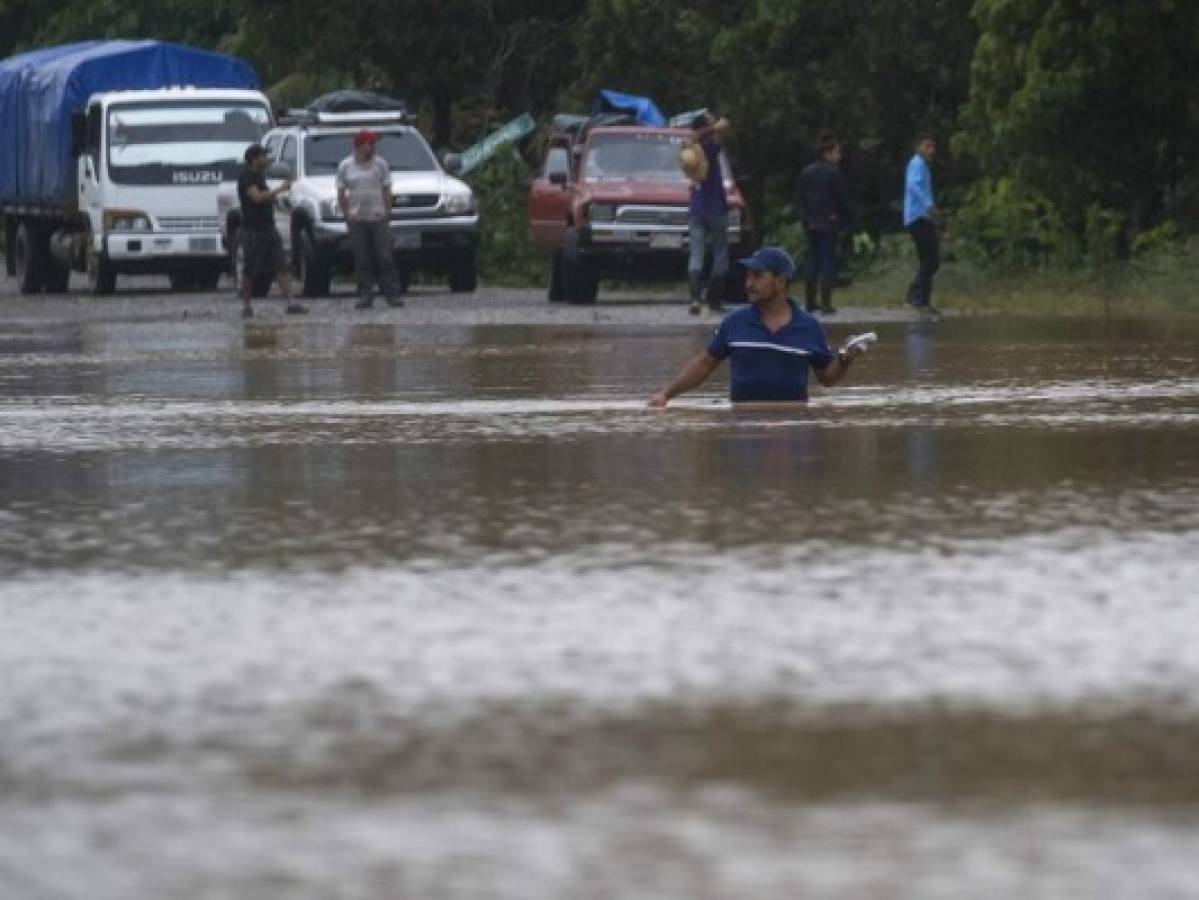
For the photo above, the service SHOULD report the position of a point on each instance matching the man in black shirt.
(822, 204)
(262, 248)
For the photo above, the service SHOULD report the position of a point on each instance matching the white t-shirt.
(364, 184)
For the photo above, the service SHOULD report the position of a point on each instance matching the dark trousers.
(924, 233)
(821, 261)
(374, 259)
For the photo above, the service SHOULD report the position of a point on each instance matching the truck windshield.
(405, 151)
(184, 143)
(634, 157)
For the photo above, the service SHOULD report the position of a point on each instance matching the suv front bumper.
(409, 237)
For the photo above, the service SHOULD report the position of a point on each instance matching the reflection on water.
(330, 608)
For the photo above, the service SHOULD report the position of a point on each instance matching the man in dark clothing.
(822, 204)
(262, 248)
(708, 216)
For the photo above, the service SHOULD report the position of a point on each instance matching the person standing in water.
(771, 343)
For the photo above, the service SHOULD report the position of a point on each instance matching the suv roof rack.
(307, 116)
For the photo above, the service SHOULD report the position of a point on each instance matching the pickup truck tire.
(312, 270)
(579, 281)
(101, 279)
(556, 292)
(734, 283)
(464, 274)
(32, 259)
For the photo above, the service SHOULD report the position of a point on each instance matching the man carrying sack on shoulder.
(708, 211)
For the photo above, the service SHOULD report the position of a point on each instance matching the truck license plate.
(407, 240)
(202, 245)
(666, 241)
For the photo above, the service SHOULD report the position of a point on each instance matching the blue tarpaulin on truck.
(40, 90)
(641, 108)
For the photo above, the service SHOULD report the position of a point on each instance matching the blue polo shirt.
(770, 366)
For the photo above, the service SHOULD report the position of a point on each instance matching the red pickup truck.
(611, 202)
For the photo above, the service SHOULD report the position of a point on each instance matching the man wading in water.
(772, 342)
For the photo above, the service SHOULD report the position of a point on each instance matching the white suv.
(434, 220)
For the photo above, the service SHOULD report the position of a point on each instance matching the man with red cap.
(364, 195)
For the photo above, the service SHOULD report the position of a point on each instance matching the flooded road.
(431, 606)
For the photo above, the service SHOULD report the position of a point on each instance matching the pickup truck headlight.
(331, 211)
(735, 219)
(126, 220)
(603, 212)
(459, 204)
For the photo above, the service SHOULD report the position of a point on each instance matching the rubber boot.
(695, 280)
(809, 295)
(716, 293)
(826, 297)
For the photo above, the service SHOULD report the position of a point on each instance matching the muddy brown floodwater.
(381, 609)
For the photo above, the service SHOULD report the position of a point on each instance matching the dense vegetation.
(1068, 127)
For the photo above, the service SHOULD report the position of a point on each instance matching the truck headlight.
(126, 220)
(735, 219)
(459, 204)
(603, 212)
(331, 210)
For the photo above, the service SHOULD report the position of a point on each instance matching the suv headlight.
(735, 219)
(126, 220)
(603, 212)
(331, 210)
(459, 204)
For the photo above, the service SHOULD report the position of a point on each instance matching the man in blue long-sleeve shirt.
(919, 218)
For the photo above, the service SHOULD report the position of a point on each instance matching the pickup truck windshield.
(183, 143)
(634, 157)
(404, 151)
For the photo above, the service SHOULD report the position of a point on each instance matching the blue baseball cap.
(771, 259)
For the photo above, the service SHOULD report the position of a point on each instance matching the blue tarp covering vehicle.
(642, 109)
(40, 90)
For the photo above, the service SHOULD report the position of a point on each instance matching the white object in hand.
(860, 343)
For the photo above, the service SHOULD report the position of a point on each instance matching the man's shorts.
(263, 253)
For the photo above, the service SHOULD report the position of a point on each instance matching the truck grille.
(415, 201)
(188, 223)
(673, 216)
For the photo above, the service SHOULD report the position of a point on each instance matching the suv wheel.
(313, 272)
(464, 275)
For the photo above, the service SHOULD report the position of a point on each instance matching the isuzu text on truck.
(111, 153)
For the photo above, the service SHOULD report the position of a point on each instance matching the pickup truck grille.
(188, 223)
(674, 216)
(415, 201)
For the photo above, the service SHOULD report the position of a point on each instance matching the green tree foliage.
(1090, 105)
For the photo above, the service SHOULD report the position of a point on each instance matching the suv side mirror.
(452, 163)
(280, 170)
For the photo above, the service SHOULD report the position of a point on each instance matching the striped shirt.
(770, 366)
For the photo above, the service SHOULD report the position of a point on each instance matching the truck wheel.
(580, 284)
(181, 282)
(101, 279)
(31, 259)
(556, 293)
(314, 273)
(464, 275)
(58, 279)
(208, 279)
